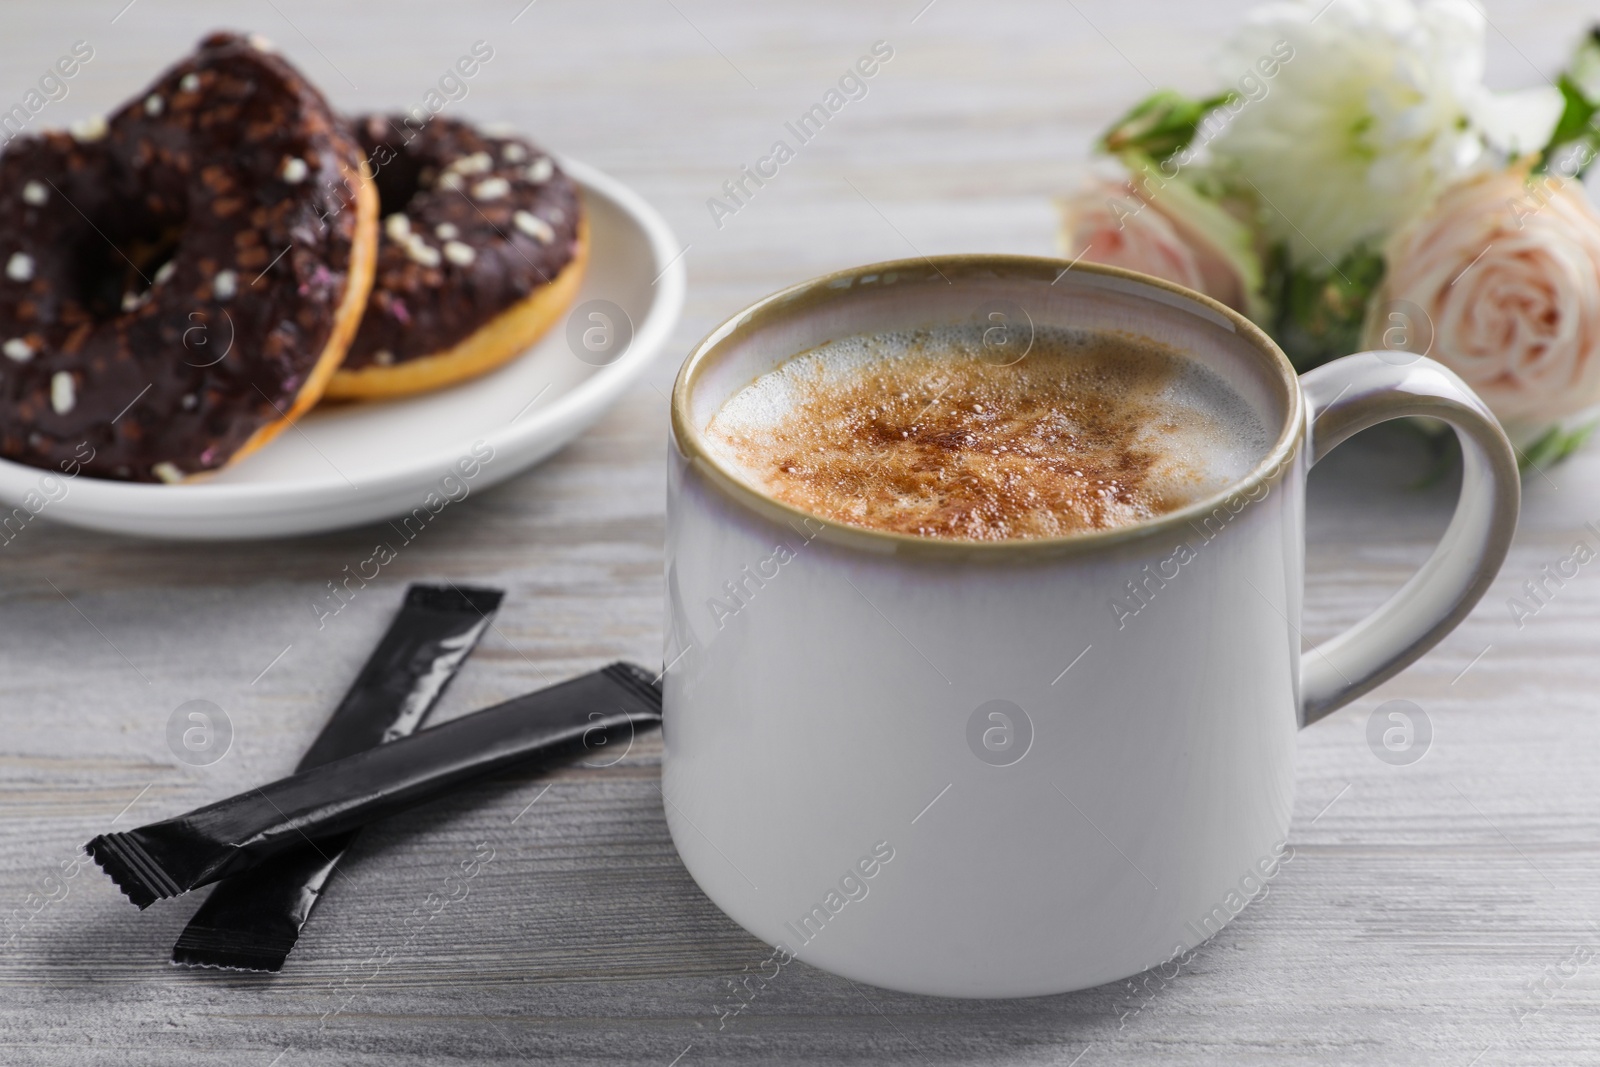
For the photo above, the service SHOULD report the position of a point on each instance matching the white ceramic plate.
(354, 463)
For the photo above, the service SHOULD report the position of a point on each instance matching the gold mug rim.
(691, 445)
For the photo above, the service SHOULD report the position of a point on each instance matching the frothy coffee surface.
(925, 433)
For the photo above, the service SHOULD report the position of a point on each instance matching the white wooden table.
(1423, 903)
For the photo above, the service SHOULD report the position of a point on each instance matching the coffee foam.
(924, 432)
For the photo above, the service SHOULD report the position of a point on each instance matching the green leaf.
(1576, 128)
(1320, 316)
(1159, 125)
(1574, 120)
(1573, 127)
(1554, 445)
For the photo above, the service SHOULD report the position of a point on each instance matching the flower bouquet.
(1353, 184)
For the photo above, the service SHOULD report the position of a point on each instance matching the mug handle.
(1349, 395)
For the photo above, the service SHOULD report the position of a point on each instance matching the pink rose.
(1506, 274)
(1162, 234)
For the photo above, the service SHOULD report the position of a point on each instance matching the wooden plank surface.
(1422, 905)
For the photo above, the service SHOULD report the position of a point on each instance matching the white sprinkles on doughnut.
(90, 129)
(476, 163)
(491, 189)
(63, 395)
(420, 251)
(534, 227)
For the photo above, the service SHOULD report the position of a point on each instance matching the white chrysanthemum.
(1380, 106)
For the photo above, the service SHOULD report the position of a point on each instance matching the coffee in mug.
(927, 432)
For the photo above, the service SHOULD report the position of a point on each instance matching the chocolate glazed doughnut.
(181, 280)
(484, 244)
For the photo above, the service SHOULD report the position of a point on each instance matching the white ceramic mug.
(1021, 767)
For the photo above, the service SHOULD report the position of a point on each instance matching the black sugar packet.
(253, 923)
(241, 833)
